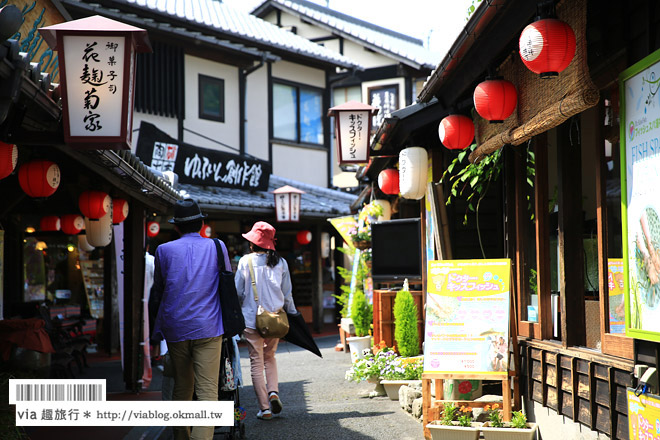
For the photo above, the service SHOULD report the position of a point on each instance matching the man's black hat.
(186, 211)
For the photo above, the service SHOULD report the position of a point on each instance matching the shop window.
(211, 98)
(297, 113)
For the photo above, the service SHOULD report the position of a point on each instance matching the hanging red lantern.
(495, 99)
(153, 228)
(49, 223)
(547, 46)
(304, 237)
(456, 132)
(8, 158)
(72, 224)
(388, 181)
(39, 178)
(94, 204)
(119, 211)
(206, 231)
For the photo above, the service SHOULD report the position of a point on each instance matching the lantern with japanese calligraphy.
(8, 159)
(153, 228)
(49, 223)
(97, 62)
(287, 203)
(304, 237)
(495, 99)
(206, 231)
(119, 211)
(413, 170)
(388, 181)
(353, 131)
(72, 224)
(456, 132)
(39, 178)
(83, 244)
(99, 232)
(94, 204)
(547, 46)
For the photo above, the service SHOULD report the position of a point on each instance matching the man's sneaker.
(275, 402)
(264, 414)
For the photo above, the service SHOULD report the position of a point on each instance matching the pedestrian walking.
(189, 318)
(272, 282)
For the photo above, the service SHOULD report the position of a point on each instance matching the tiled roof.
(406, 49)
(317, 202)
(219, 17)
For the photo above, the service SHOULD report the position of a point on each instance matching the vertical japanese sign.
(354, 136)
(640, 161)
(616, 288)
(643, 415)
(282, 207)
(94, 88)
(467, 317)
(384, 98)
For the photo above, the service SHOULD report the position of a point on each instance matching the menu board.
(640, 160)
(467, 317)
(92, 273)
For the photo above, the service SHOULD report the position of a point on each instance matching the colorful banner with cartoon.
(643, 415)
(640, 161)
(343, 225)
(467, 317)
(616, 287)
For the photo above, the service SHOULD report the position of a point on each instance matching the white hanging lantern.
(413, 170)
(83, 244)
(387, 209)
(287, 203)
(99, 232)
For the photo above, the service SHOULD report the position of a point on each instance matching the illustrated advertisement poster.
(643, 415)
(467, 317)
(640, 161)
(616, 288)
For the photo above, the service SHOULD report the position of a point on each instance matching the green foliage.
(347, 275)
(518, 420)
(494, 415)
(465, 419)
(385, 364)
(405, 324)
(449, 413)
(472, 8)
(533, 282)
(361, 313)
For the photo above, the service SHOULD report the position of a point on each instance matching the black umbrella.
(300, 335)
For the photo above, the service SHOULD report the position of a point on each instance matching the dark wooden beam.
(542, 236)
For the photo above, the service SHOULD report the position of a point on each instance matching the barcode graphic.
(58, 392)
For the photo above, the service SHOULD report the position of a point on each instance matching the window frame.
(202, 81)
(298, 87)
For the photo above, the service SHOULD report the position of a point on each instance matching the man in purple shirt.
(189, 318)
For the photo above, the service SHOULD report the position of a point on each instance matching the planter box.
(383, 303)
(453, 432)
(508, 433)
(392, 387)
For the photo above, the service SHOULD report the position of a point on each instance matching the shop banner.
(200, 166)
(640, 161)
(616, 287)
(430, 229)
(467, 317)
(343, 225)
(643, 416)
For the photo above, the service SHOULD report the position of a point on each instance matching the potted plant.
(517, 429)
(455, 424)
(398, 371)
(362, 315)
(370, 368)
(406, 332)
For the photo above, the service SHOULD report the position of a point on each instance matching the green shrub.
(405, 324)
(361, 313)
(519, 420)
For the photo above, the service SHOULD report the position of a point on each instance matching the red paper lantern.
(8, 158)
(39, 178)
(495, 99)
(205, 231)
(49, 223)
(388, 181)
(72, 224)
(547, 46)
(456, 132)
(119, 211)
(94, 204)
(153, 228)
(304, 237)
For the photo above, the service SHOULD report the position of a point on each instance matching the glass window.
(297, 114)
(211, 98)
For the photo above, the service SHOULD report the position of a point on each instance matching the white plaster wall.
(168, 125)
(554, 426)
(257, 114)
(365, 57)
(301, 164)
(226, 132)
(299, 73)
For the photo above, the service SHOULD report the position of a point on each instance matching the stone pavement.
(319, 403)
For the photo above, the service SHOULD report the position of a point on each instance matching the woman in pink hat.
(273, 283)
